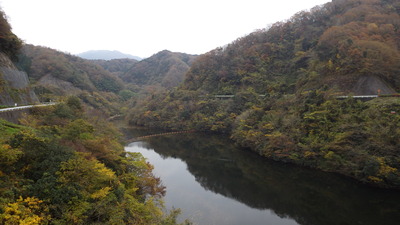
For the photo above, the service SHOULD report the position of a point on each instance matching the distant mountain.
(164, 68)
(106, 55)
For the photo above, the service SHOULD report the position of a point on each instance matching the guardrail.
(358, 96)
(26, 107)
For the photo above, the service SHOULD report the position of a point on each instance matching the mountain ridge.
(164, 68)
(106, 55)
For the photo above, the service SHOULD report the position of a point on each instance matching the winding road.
(26, 107)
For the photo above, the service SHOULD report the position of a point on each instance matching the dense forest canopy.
(280, 85)
(62, 166)
(333, 44)
(165, 69)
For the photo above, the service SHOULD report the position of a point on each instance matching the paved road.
(25, 107)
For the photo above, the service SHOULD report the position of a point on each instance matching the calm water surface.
(214, 182)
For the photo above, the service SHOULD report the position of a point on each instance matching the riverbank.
(214, 181)
(354, 138)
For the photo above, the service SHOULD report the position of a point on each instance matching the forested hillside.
(280, 85)
(55, 74)
(165, 69)
(117, 67)
(336, 45)
(62, 166)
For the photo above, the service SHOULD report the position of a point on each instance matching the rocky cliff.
(14, 84)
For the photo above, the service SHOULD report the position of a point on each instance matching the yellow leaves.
(90, 174)
(268, 126)
(5, 147)
(219, 114)
(8, 155)
(316, 115)
(101, 193)
(329, 155)
(382, 173)
(219, 125)
(372, 27)
(300, 53)
(147, 113)
(201, 102)
(309, 154)
(255, 108)
(375, 179)
(330, 64)
(28, 211)
(385, 169)
(107, 174)
(151, 114)
(274, 134)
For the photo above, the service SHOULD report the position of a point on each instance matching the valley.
(278, 112)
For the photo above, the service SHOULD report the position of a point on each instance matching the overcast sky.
(145, 27)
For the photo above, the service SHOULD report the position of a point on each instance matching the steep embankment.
(14, 84)
(280, 85)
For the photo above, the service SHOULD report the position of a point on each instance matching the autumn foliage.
(279, 88)
(61, 167)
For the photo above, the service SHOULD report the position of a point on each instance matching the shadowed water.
(215, 182)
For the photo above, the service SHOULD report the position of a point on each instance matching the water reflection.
(307, 196)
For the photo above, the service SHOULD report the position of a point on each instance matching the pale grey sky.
(145, 27)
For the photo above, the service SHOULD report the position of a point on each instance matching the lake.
(215, 182)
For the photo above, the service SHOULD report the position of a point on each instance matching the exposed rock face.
(15, 78)
(369, 85)
(58, 85)
(14, 84)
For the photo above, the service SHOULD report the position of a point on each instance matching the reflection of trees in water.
(308, 196)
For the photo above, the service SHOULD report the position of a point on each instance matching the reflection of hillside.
(308, 196)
